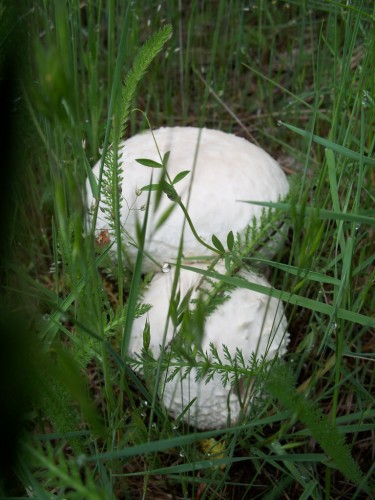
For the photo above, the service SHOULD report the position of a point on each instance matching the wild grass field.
(297, 78)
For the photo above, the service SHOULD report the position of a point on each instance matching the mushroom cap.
(248, 320)
(223, 169)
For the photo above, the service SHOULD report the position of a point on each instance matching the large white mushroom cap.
(249, 321)
(223, 168)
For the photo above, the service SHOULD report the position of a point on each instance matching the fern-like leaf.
(280, 384)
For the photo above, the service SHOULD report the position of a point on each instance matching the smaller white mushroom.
(249, 321)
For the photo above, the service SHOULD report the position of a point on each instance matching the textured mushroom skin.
(224, 169)
(210, 411)
(249, 321)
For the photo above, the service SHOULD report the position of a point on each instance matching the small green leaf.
(180, 176)
(92, 180)
(230, 240)
(217, 243)
(146, 336)
(169, 190)
(166, 159)
(149, 163)
(150, 187)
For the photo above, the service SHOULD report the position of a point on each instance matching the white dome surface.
(223, 168)
(249, 321)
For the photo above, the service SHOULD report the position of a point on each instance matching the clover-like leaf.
(166, 159)
(230, 241)
(217, 243)
(150, 187)
(180, 176)
(149, 163)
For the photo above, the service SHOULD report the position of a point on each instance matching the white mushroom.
(224, 169)
(249, 321)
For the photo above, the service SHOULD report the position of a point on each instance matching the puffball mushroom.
(217, 171)
(249, 321)
(224, 169)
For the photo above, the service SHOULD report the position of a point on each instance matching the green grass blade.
(349, 153)
(288, 297)
(322, 213)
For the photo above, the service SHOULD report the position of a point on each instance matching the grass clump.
(296, 77)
